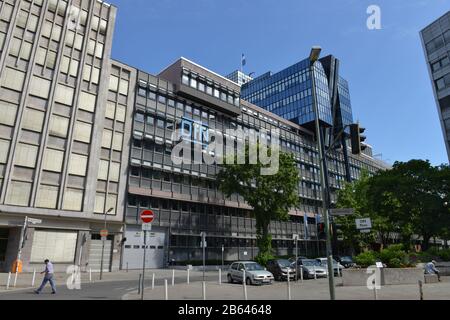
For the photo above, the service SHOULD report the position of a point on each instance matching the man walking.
(430, 268)
(49, 273)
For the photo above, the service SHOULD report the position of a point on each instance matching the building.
(436, 44)
(82, 134)
(64, 133)
(239, 77)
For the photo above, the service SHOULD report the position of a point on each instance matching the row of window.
(438, 42)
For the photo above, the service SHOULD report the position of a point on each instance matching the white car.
(254, 273)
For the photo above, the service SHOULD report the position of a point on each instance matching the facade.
(436, 44)
(81, 133)
(239, 77)
(63, 132)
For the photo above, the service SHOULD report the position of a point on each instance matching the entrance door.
(4, 234)
(95, 254)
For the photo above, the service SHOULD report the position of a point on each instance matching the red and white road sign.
(147, 216)
(104, 233)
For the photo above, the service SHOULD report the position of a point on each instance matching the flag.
(243, 60)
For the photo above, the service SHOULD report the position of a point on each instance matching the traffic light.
(357, 138)
(321, 231)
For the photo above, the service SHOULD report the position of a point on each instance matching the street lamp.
(314, 57)
(103, 243)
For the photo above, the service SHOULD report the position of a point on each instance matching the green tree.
(270, 196)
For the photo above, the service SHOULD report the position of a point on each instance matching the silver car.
(312, 267)
(254, 273)
(337, 267)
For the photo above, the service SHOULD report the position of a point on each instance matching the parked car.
(254, 273)
(346, 261)
(309, 267)
(280, 269)
(337, 267)
(292, 260)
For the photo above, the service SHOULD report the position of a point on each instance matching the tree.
(270, 196)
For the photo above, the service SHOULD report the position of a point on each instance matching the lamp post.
(103, 243)
(314, 56)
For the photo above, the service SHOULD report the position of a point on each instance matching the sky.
(390, 87)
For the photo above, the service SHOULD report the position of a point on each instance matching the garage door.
(134, 249)
(95, 255)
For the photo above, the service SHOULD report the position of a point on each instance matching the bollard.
(140, 283)
(245, 291)
(90, 274)
(243, 277)
(15, 279)
(220, 277)
(301, 274)
(173, 277)
(289, 285)
(421, 290)
(166, 290)
(204, 290)
(315, 274)
(34, 278)
(188, 276)
(9, 280)
(153, 281)
(375, 290)
(127, 267)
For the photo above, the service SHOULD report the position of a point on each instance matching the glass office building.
(436, 44)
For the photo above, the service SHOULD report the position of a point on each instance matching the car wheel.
(248, 281)
(230, 278)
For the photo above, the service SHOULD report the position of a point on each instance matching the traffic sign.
(362, 224)
(146, 227)
(342, 212)
(147, 216)
(104, 233)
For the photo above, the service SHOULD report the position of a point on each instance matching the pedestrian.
(430, 268)
(49, 277)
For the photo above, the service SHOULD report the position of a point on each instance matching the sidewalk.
(309, 290)
(24, 281)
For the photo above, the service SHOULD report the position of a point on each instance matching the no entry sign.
(147, 216)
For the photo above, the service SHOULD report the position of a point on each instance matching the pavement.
(113, 286)
(308, 290)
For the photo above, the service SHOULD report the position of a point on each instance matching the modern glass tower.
(436, 44)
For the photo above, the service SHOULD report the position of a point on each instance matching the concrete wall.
(388, 276)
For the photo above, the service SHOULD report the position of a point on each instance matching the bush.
(444, 255)
(436, 254)
(394, 257)
(366, 259)
(262, 258)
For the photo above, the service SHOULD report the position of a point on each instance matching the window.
(106, 139)
(440, 84)
(58, 247)
(111, 202)
(40, 87)
(150, 121)
(18, 193)
(78, 165)
(139, 117)
(114, 83)
(26, 155)
(69, 66)
(64, 94)
(103, 170)
(33, 120)
(100, 202)
(120, 113)
(117, 141)
(123, 87)
(8, 113)
(13, 79)
(59, 126)
(160, 123)
(83, 132)
(47, 197)
(22, 47)
(87, 101)
(185, 79)
(114, 172)
(73, 199)
(4, 148)
(193, 83)
(53, 160)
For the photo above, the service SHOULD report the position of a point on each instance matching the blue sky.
(389, 83)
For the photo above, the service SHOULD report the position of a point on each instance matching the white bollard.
(153, 281)
(9, 280)
(301, 274)
(315, 274)
(204, 290)
(90, 274)
(289, 286)
(188, 276)
(166, 290)
(34, 278)
(245, 286)
(220, 277)
(15, 279)
(173, 277)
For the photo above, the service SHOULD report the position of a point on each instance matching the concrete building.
(81, 133)
(436, 45)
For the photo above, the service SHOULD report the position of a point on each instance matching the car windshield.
(284, 263)
(346, 259)
(253, 267)
(325, 262)
(311, 263)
